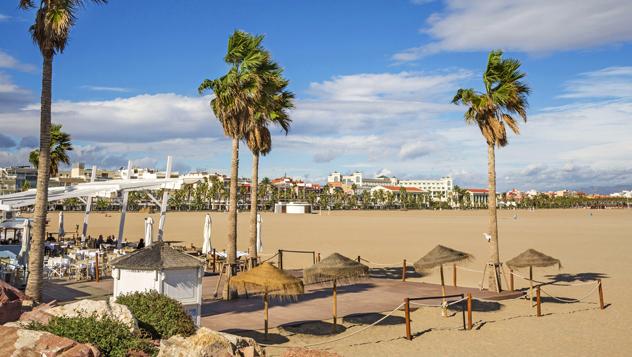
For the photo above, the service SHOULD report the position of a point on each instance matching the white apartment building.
(441, 188)
(362, 183)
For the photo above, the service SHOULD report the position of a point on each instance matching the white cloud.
(107, 89)
(611, 82)
(532, 26)
(4, 18)
(7, 61)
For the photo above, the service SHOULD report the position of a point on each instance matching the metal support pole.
(119, 241)
(84, 230)
(165, 200)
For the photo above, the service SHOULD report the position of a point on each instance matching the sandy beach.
(590, 244)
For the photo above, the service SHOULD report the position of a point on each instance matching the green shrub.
(157, 314)
(110, 336)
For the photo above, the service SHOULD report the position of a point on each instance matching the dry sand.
(590, 243)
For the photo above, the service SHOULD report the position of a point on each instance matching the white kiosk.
(164, 269)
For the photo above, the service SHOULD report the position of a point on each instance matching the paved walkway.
(370, 296)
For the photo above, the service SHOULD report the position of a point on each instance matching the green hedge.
(110, 336)
(157, 314)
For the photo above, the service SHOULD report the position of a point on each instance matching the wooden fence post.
(409, 337)
(359, 259)
(214, 260)
(96, 267)
(404, 270)
(314, 257)
(538, 302)
(469, 311)
(511, 280)
(454, 275)
(318, 257)
(280, 258)
(601, 304)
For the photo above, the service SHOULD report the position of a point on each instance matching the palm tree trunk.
(232, 210)
(36, 253)
(252, 243)
(494, 277)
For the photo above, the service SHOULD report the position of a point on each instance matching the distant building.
(358, 179)
(439, 189)
(16, 178)
(478, 196)
(397, 190)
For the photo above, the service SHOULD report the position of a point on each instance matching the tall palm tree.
(53, 21)
(504, 97)
(60, 145)
(272, 108)
(233, 103)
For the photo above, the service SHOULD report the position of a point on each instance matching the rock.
(304, 352)
(44, 312)
(209, 343)
(21, 342)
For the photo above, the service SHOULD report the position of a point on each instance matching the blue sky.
(373, 81)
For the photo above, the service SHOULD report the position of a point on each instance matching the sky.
(373, 81)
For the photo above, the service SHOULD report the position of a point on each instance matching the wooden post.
(314, 257)
(601, 304)
(359, 259)
(454, 275)
(96, 267)
(335, 308)
(404, 270)
(444, 313)
(469, 311)
(407, 315)
(280, 258)
(538, 302)
(214, 260)
(511, 280)
(531, 285)
(265, 314)
(318, 257)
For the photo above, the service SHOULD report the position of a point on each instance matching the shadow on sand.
(478, 306)
(314, 328)
(580, 277)
(367, 319)
(393, 272)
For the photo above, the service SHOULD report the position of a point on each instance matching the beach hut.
(271, 281)
(532, 258)
(164, 269)
(335, 268)
(438, 256)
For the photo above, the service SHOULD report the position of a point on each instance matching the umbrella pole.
(443, 310)
(265, 314)
(531, 284)
(335, 308)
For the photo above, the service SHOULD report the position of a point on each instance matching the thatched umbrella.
(532, 258)
(335, 268)
(438, 256)
(270, 280)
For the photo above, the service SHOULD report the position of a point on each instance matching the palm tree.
(53, 21)
(60, 145)
(233, 103)
(272, 108)
(505, 96)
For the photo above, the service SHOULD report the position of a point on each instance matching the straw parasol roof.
(440, 255)
(533, 258)
(335, 266)
(267, 277)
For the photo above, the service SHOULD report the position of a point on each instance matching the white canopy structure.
(107, 189)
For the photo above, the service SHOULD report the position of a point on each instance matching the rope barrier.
(274, 256)
(344, 336)
(572, 299)
(439, 305)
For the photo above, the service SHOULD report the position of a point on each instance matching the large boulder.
(209, 343)
(17, 342)
(85, 307)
